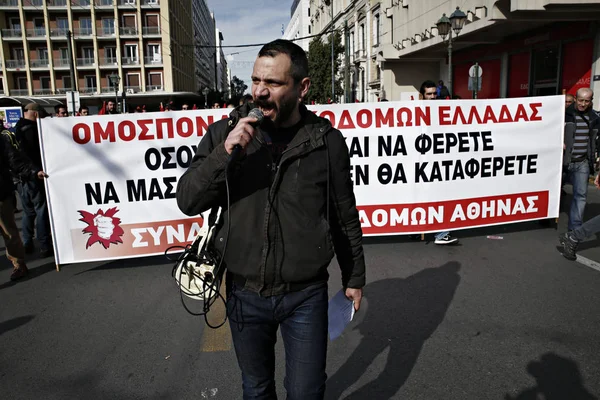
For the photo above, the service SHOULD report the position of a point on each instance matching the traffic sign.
(472, 71)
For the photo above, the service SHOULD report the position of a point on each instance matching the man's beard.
(282, 113)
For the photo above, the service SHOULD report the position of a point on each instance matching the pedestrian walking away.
(292, 206)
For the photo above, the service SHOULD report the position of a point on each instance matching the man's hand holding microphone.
(243, 133)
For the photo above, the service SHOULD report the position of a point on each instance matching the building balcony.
(109, 62)
(104, 3)
(150, 3)
(15, 64)
(80, 4)
(154, 88)
(9, 4)
(132, 89)
(39, 33)
(109, 89)
(42, 92)
(58, 33)
(12, 33)
(85, 62)
(153, 60)
(43, 63)
(56, 4)
(61, 63)
(82, 32)
(128, 31)
(88, 90)
(127, 3)
(151, 31)
(19, 92)
(106, 32)
(360, 55)
(130, 61)
(33, 4)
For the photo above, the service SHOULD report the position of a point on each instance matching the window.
(154, 52)
(45, 82)
(62, 24)
(110, 54)
(42, 53)
(108, 26)
(15, 24)
(88, 53)
(309, 29)
(64, 55)
(376, 30)
(66, 80)
(22, 83)
(131, 52)
(90, 82)
(309, 11)
(38, 27)
(361, 44)
(85, 26)
(19, 54)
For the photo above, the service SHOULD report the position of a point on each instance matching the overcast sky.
(248, 22)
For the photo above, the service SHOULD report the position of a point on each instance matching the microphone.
(237, 149)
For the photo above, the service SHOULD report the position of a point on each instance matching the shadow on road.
(557, 378)
(33, 273)
(402, 314)
(14, 323)
(129, 263)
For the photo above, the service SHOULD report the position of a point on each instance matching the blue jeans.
(578, 175)
(302, 316)
(589, 228)
(441, 234)
(35, 209)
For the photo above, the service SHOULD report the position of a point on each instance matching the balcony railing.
(130, 61)
(109, 89)
(104, 3)
(82, 32)
(80, 3)
(58, 32)
(9, 3)
(108, 61)
(12, 33)
(154, 88)
(43, 63)
(42, 92)
(106, 31)
(360, 54)
(63, 90)
(128, 30)
(19, 92)
(85, 62)
(33, 3)
(153, 60)
(36, 32)
(61, 62)
(56, 3)
(150, 3)
(151, 30)
(15, 64)
(129, 3)
(132, 89)
(88, 90)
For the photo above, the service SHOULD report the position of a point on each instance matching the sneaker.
(18, 272)
(29, 248)
(569, 246)
(446, 239)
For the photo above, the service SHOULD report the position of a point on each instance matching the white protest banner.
(419, 166)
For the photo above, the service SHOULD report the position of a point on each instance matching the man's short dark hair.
(426, 85)
(58, 107)
(83, 108)
(296, 54)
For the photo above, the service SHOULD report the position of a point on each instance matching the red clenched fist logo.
(103, 227)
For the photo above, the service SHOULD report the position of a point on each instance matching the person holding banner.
(13, 163)
(429, 91)
(580, 151)
(292, 205)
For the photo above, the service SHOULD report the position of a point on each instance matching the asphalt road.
(487, 319)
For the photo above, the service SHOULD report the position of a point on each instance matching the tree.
(319, 68)
(238, 87)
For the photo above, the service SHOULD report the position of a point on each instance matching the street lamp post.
(114, 80)
(445, 27)
(205, 92)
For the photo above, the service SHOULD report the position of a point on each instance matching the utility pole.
(71, 70)
(346, 64)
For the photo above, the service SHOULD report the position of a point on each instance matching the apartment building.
(147, 43)
(221, 64)
(299, 25)
(204, 37)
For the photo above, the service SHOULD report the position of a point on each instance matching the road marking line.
(588, 263)
(214, 340)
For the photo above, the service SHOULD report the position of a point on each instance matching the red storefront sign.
(577, 65)
(518, 78)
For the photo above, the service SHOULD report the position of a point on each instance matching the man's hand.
(242, 134)
(355, 295)
(41, 175)
(597, 181)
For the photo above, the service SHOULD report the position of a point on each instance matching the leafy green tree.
(238, 87)
(319, 67)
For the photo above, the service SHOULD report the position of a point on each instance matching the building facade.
(223, 80)
(204, 28)
(147, 43)
(299, 25)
